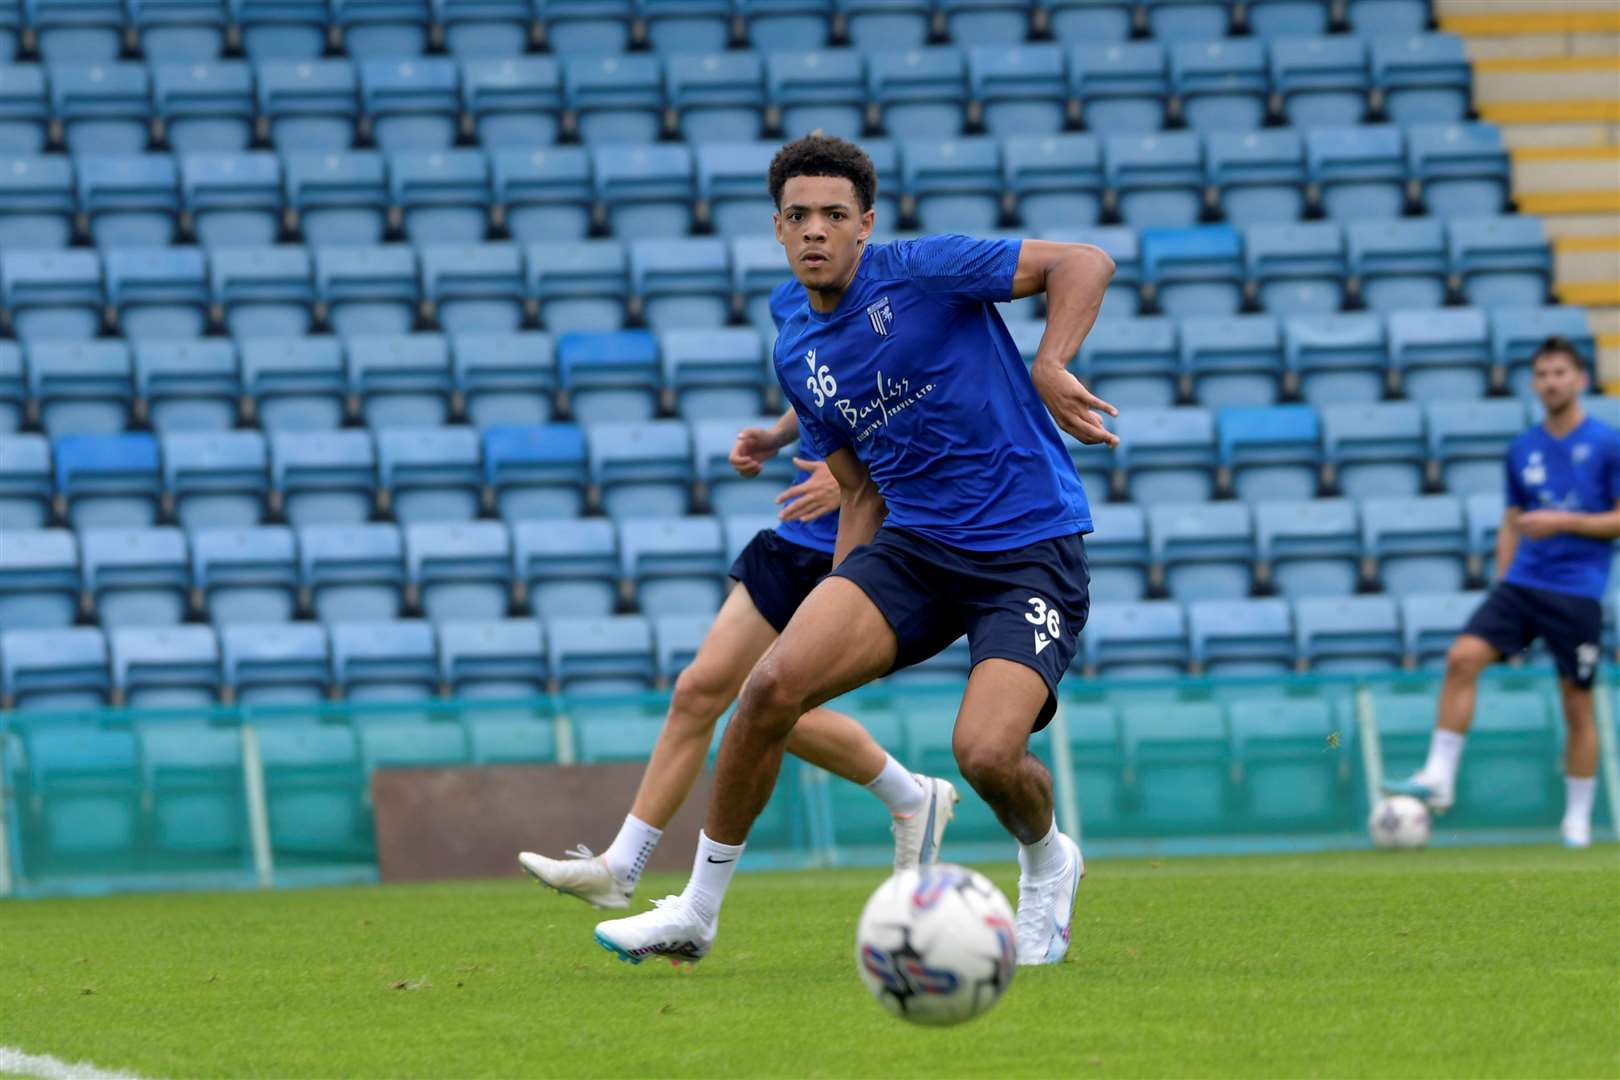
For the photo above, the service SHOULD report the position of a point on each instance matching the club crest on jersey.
(1535, 470)
(1581, 452)
(881, 316)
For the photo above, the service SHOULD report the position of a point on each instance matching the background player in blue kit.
(1552, 565)
(905, 379)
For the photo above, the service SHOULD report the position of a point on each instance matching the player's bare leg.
(1436, 782)
(1580, 765)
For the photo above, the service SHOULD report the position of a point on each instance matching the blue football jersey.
(915, 372)
(1581, 473)
(818, 534)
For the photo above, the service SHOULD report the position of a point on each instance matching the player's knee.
(986, 765)
(1467, 657)
(698, 699)
(770, 695)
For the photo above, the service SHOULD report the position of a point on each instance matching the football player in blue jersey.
(962, 513)
(1553, 553)
(775, 572)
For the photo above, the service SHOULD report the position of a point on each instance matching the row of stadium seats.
(430, 103)
(102, 30)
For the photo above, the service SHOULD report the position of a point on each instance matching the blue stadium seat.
(1322, 80)
(1310, 547)
(400, 380)
(893, 24)
(108, 481)
(492, 659)
(675, 565)
(1399, 264)
(536, 472)
(1431, 620)
(353, 571)
(341, 198)
(39, 579)
(1167, 455)
(373, 28)
(459, 570)
(612, 654)
(1206, 550)
(1360, 171)
(136, 577)
(921, 93)
(1418, 544)
(615, 99)
(1425, 78)
(81, 387)
(998, 22)
(567, 567)
(642, 469)
(51, 294)
(1381, 18)
(681, 284)
(1196, 271)
(1298, 268)
(678, 639)
(1020, 89)
(246, 575)
(1241, 637)
(1348, 633)
(581, 286)
(1502, 261)
(1056, 181)
(235, 199)
(1123, 87)
(1071, 21)
(1123, 295)
(686, 26)
(54, 669)
(206, 107)
(544, 195)
(1145, 640)
(165, 667)
(483, 30)
(1158, 179)
(323, 477)
(647, 190)
(295, 383)
(1233, 361)
(1095, 464)
(133, 200)
(281, 29)
(264, 292)
(1222, 84)
(25, 481)
(24, 107)
(1441, 354)
(956, 185)
(1132, 363)
(84, 801)
(188, 385)
(775, 25)
(1188, 20)
(384, 661)
(718, 96)
(1287, 19)
(1483, 513)
(1258, 175)
(216, 479)
(1179, 759)
(36, 200)
(104, 108)
(274, 664)
(728, 182)
(1462, 168)
(714, 372)
(13, 388)
(310, 106)
(504, 379)
(444, 195)
(368, 290)
(758, 265)
(728, 493)
(1516, 333)
(430, 474)
(1271, 452)
(586, 26)
(1117, 553)
(1468, 441)
(740, 530)
(413, 102)
(158, 293)
(819, 88)
(515, 102)
(612, 376)
(194, 790)
(1375, 449)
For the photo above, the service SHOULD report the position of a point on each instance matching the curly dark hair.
(1559, 346)
(823, 155)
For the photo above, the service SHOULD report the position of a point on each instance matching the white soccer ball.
(935, 944)
(1399, 823)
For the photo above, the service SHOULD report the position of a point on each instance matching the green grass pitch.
(1459, 962)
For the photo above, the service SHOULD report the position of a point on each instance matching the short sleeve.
(786, 298)
(962, 266)
(1515, 493)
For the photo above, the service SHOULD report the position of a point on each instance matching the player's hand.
(817, 495)
(753, 448)
(1540, 524)
(1073, 406)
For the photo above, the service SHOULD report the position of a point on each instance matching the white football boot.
(582, 874)
(1436, 794)
(671, 929)
(1575, 834)
(917, 837)
(1046, 910)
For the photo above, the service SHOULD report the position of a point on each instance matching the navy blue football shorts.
(1026, 605)
(779, 574)
(1513, 616)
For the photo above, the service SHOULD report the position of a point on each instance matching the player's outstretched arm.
(1507, 541)
(861, 508)
(755, 446)
(817, 496)
(1074, 277)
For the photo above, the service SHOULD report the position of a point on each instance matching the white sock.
(628, 854)
(712, 868)
(1445, 751)
(1043, 858)
(898, 789)
(1578, 792)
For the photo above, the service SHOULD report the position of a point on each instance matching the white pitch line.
(17, 1063)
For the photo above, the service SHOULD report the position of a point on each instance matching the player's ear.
(776, 226)
(868, 219)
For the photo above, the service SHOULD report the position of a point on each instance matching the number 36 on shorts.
(1043, 614)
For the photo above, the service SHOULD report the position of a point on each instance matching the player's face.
(1558, 381)
(821, 225)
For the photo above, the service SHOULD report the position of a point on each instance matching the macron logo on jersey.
(881, 316)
